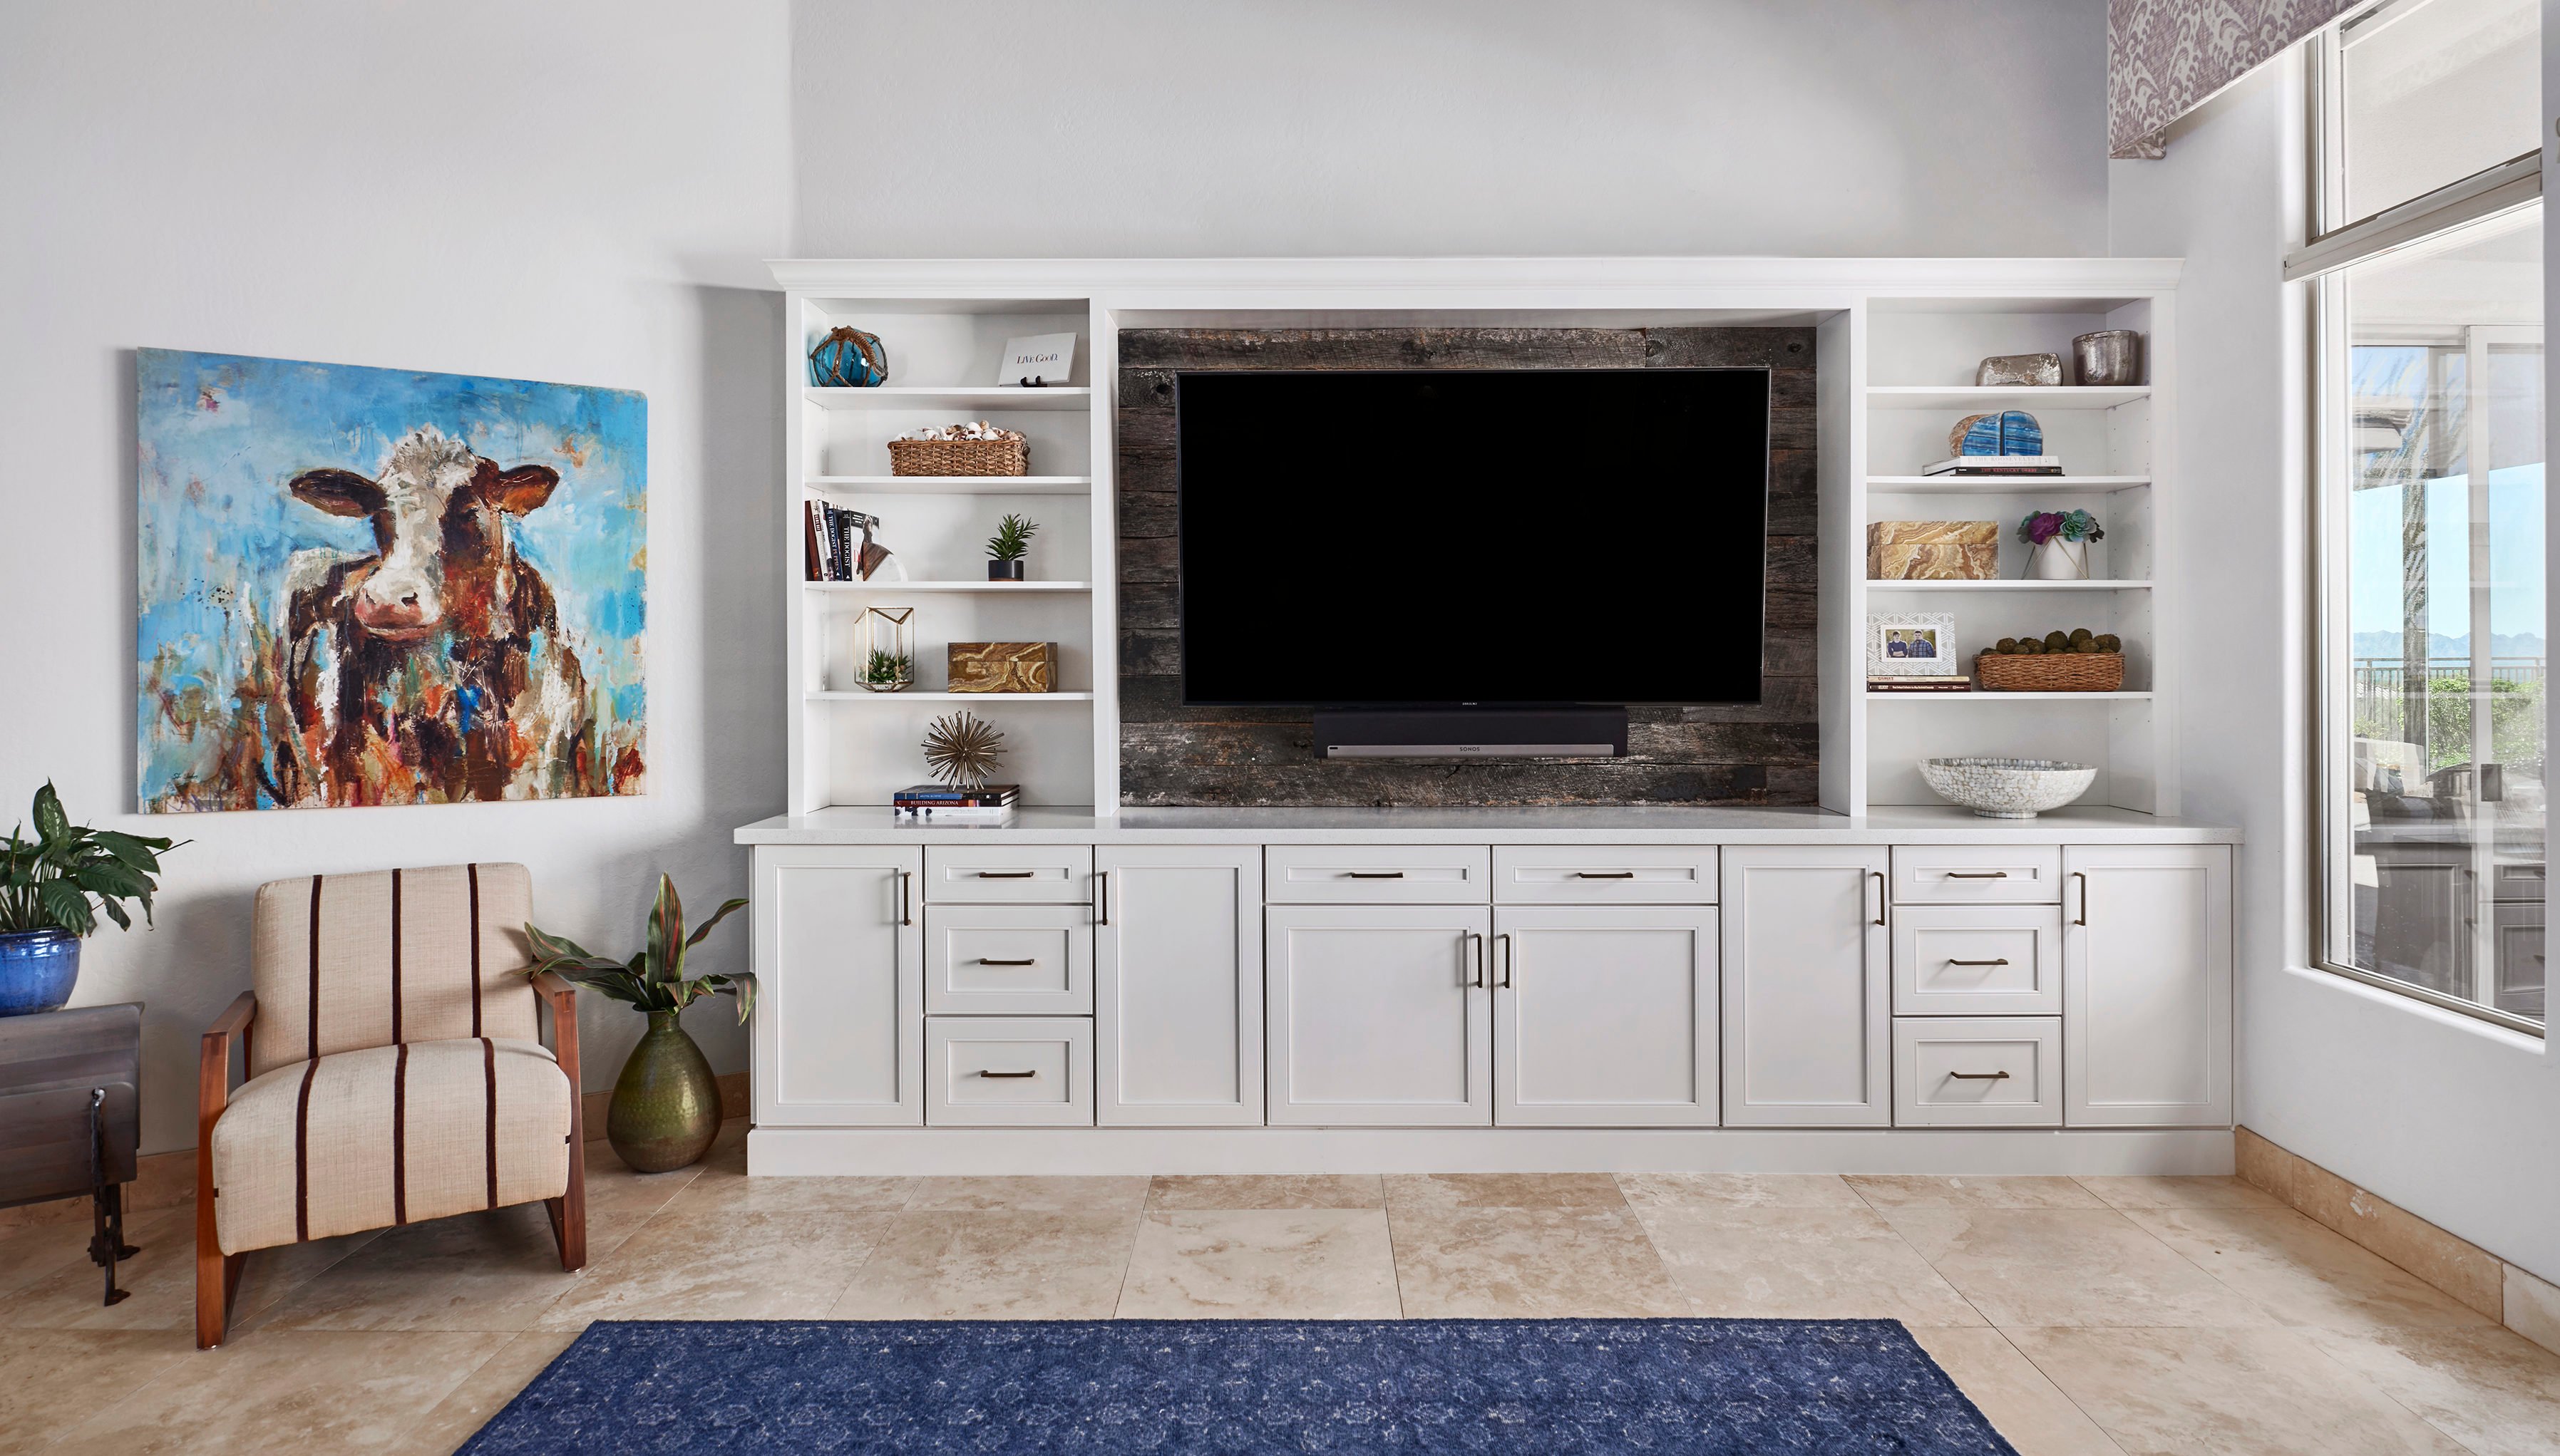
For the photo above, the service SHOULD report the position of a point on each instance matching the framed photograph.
(1039, 358)
(1911, 644)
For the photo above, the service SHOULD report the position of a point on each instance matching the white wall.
(977, 128)
(575, 192)
(2449, 1118)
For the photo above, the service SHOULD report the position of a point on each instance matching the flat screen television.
(1431, 538)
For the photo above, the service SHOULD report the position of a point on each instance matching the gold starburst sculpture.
(961, 750)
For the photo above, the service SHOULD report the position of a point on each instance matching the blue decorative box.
(2008, 432)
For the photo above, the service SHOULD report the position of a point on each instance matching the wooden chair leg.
(569, 1214)
(217, 1277)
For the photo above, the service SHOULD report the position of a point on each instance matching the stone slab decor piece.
(2035, 370)
(1172, 754)
(1932, 550)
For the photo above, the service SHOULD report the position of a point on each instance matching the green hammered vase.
(666, 1104)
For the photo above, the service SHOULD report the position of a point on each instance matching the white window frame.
(2335, 243)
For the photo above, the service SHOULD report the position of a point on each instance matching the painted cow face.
(439, 532)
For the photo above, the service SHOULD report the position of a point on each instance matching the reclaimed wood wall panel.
(1172, 753)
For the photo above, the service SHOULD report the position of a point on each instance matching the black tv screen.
(1445, 537)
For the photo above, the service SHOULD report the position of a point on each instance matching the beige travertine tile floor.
(2094, 1315)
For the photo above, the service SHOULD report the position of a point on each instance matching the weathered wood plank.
(1703, 347)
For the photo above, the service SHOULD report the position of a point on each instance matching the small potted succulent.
(886, 671)
(46, 885)
(1006, 547)
(666, 1106)
(2061, 541)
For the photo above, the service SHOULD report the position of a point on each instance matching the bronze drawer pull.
(1374, 874)
(1034, 1074)
(1604, 874)
(1006, 874)
(1978, 874)
(2003, 960)
(1028, 960)
(1980, 1076)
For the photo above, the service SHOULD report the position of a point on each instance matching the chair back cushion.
(342, 963)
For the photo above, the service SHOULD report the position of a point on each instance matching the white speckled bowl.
(2007, 788)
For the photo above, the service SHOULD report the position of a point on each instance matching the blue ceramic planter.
(37, 971)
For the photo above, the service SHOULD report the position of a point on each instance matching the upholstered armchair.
(395, 1072)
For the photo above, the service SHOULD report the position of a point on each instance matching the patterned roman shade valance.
(2166, 58)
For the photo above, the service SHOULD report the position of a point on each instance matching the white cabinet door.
(1178, 985)
(2147, 985)
(1806, 987)
(1379, 1015)
(1605, 1017)
(839, 985)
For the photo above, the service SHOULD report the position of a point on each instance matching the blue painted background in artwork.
(218, 436)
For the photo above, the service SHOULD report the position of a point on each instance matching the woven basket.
(958, 457)
(2049, 672)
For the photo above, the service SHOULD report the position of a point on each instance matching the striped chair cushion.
(390, 1135)
(347, 961)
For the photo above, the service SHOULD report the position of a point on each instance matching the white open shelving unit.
(1896, 342)
(944, 345)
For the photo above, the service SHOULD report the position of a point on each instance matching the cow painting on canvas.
(370, 587)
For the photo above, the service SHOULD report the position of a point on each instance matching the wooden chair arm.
(552, 986)
(214, 1073)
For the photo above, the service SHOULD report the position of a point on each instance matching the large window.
(2432, 667)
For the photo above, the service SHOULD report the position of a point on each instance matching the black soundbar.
(1471, 732)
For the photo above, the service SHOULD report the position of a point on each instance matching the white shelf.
(948, 586)
(2033, 697)
(929, 397)
(1895, 584)
(1997, 485)
(857, 695)
(950, 485)
(2002, 396)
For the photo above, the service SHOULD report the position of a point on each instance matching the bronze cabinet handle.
(2002, 960)
(1505, 940)
(1978, 874)
(1006, 874)
(1604, 874)
(1102, 896)
(906, 898)
(1034, 1074)
(2084, 898)
(1880, 895)
(1479, 943)
(1979, 1076)
(1373, 874)
(1028, 960)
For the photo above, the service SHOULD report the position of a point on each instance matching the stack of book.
(1997, 465)
(836, 545)
(931, 804)
(1934, 682)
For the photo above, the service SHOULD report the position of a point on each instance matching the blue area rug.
(1243, 1388)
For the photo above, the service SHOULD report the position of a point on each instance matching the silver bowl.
(2007, 788)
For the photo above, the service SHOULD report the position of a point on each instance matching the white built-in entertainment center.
(1882, 982)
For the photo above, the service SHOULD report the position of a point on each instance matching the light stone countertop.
(1636, 824)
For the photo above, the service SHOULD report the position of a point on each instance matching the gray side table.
(70, 1119)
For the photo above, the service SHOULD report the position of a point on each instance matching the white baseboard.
(845, 1151)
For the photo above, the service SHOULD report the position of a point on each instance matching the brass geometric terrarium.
(885, 648)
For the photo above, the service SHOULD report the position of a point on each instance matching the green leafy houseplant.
(1013, 538)
(51, 879)
(666, 1104)
(52, 888)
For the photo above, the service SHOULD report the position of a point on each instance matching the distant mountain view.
(2500, 645)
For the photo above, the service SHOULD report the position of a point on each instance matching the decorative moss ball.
(2057, 641)
(2081, 633)
(2006, 646)
(2108, 641)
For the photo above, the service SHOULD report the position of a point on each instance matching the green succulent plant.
(1013, 538)
(887, 668)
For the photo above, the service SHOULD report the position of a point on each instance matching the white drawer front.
(1605, 874)
(1977, 1071)
(1966, 874)
(1978, 960)
(1022, 874)
(1378, 874)
(1008, 959)
(1009, 1070)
